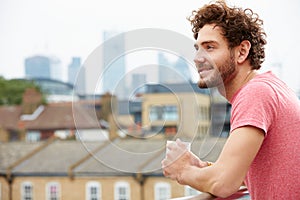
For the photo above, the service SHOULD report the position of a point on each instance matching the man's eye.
(209, 47)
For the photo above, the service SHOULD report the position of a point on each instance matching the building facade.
(185, 114)
(66, 170)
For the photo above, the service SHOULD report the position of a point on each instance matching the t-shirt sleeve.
(254, 105)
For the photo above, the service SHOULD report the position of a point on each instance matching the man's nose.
(199, 57)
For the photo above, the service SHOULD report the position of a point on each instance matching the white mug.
(187, 145)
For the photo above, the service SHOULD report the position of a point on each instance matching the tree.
(11, 91)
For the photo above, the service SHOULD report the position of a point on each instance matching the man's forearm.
(208, 179)
(200, 179)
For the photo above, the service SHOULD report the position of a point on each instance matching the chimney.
(32, 99)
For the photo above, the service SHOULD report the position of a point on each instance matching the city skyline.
(74, 29)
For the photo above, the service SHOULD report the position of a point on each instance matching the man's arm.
(227, 174)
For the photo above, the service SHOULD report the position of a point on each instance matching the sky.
(67, 28)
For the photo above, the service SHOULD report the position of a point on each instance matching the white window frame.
(33, 136)
(117, 195)
(23, 195)
(93, 184)
(0, 191)
(48, 192)
(162, 186)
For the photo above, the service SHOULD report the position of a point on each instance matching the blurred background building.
(43, 67)
(114, 68)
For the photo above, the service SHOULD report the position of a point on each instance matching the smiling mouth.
(204, 69)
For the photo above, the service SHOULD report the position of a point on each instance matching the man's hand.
(178, 159)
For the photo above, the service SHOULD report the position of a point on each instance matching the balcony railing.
(241, 194)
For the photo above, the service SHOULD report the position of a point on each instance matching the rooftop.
(103, 158)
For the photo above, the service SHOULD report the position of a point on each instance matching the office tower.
(173, 72)
(73, 69)
(76, 76)
(56, 71)
(80, 83)
(37, 67)
(181, 66)
(113, 79)
(138, 83)
(43, 67)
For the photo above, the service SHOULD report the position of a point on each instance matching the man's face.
(214, 60)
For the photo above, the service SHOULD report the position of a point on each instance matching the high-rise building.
(56, 71)
(113, 75)
(80, 83)
(37, 67)
(138, 82)
(73, 69)
(76, 76)
(182, 67)
(173, 72)
(43, 67)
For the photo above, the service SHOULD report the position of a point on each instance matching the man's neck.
(241, 78)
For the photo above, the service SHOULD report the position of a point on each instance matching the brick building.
(118, 169)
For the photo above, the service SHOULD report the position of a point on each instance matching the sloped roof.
(56, 158)
(55, 116)
(105, 158)
(143, 156)
(207, 149)
(9, 117)
(123, 156)
(11, 152)
(64, 116)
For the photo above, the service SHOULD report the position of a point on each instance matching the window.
(203, 129)
(27, 191)
(203, 113)
(0, 192)
(162, 191)
(33, 136)
(167, 112)
(53, 191)
(122, 191)
(93, 191)
(189, 191)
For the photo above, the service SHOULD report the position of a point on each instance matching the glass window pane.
(93, 191)
(122, 191)
(162, 191)
(27, 191)
(167, 112)
(53, 192)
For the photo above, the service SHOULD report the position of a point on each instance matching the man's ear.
(243, 51)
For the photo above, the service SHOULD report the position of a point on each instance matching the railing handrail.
(242, 193)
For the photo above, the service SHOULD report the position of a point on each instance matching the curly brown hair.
(236, 24)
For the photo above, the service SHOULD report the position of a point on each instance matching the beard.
(220, 74)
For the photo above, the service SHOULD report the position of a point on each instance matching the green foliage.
(11, 91)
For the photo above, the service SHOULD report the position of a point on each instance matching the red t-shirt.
(267, 103)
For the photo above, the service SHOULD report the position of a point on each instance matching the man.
(263, 148)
